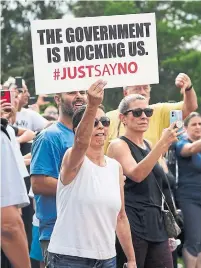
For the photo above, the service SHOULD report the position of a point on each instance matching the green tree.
(178, 25)
(16, 48)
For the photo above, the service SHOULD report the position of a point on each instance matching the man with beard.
(47, 153)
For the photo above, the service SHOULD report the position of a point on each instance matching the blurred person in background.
(51, 111)
(160, 118)
(35, 250)
(169, 190)
(17, 135)
(47, 153)
(26, 118)
(22, 135)
(144, 176)
(13, 196)
(188, 151)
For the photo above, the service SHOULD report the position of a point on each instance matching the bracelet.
(189, 88)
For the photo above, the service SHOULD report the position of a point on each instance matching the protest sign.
(72, 54)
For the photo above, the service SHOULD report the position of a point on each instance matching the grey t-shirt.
(13, 189)
(29, 119)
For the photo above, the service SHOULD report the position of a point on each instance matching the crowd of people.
(83, 188)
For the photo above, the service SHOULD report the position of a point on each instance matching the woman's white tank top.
(87, 211)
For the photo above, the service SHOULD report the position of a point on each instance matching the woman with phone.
(188, 151)
(144, 176)
(90, 196)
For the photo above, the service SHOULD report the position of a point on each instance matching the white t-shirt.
(87, 211)
(13, 189)
(30, 119)
(17, 152)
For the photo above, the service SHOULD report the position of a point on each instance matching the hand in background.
(7, 110)
(41, 101)
(182, 81)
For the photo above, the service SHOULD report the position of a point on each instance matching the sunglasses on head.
(105, 121)
(138, 112)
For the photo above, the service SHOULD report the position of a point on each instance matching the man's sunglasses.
(138, 112)
(105, 121)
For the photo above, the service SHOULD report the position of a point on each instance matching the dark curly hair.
(78, 114)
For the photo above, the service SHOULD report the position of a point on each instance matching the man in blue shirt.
(47, 153)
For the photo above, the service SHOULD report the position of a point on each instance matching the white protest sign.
(71, 54)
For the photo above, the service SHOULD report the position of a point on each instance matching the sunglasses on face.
(105, 121)
(138, 112)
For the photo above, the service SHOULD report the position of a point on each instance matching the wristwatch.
(189, 88)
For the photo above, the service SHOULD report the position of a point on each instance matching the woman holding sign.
(90, 196)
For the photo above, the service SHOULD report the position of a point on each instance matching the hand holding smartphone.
(6, 101)
(176, 116)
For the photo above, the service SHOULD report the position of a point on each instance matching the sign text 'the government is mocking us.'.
(72, 54)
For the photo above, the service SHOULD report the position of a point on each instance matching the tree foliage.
(178, 32)
(16, 48)
(178, 27)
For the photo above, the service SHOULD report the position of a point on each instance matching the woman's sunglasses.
(138, 112)
(105, 121)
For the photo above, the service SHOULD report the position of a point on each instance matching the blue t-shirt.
(189, 173)
(48, 150)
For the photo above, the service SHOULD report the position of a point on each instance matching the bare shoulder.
(117, 146)
(117, 142)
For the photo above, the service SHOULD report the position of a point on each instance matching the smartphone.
(18, 82)
(6, 96)
(177, 116)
